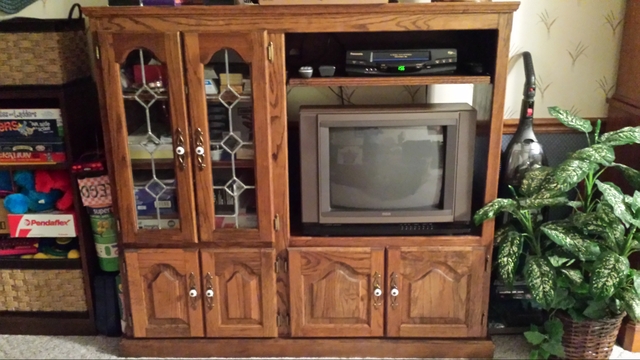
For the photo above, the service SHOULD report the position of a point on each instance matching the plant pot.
(592, 339)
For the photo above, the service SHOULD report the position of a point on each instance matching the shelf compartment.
(144, 164)
(390, 81)
(48, 264)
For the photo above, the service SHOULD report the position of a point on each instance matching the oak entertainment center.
(213, 259)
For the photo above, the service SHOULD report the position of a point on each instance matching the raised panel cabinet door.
(164, 289)
(231, 135)
(336, 292)
(146, 135)
(435, 291)
(239, 292)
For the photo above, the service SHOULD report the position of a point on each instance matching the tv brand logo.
(46, 222)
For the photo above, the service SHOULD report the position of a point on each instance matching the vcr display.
(401, 62)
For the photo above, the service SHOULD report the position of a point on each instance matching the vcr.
(401, 62)
(455, 228)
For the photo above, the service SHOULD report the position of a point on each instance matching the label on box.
(95, 191)
(156, 224)
(31, 146)
(25, 129)
(42, 225)
(32, 157)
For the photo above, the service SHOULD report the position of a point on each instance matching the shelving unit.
(77, 102)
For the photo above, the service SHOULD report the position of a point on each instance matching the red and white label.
(42, 225)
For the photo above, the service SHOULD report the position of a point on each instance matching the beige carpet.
(99, 347)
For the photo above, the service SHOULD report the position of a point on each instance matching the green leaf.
(575, 315)
(562, 299)
(554, 329)
(636, 280)
(554, 348)
(633, 201)
(492, 209)
(533, 180)
(624, 136)
(534, 355)
(502, 233)
(598, 153)
(557, 260)
(570, 120)
(630, 303)
(535, 338)
(537, 203)
(582, 288)
(596, 310)
(540, 278)
(571, 171)
(610, 271)
(632, 175)
(614, 225)
(597, 223)
(571, 241)
(614, 197)
(508, 255)
(574, 275)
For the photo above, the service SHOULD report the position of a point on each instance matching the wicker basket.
(42, 290)
(593, 339)
(43, 52)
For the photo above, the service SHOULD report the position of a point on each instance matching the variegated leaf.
(541, 279)
(595, 223)
(570, 120)
(533, 180)
(571, 171)
(508, 256)
(598, 153)
(633, 202)
(536, 203)
(624, 136)
(630, 302)
(492, 209)
(571, 241)
(614, 225)
(501, 234)
(614, 197)
(632, 175)
(574, 275)
(610, 271)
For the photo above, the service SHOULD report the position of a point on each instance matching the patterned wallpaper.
(575, 47)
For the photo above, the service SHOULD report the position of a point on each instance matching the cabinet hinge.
(97, 52)
(270, 51)
(486, 263)
(124, 267)
(186, 90)
(118, 224)
(281, 263)
(276, 223)
(282, 320)
(483, 318)
(130, 321)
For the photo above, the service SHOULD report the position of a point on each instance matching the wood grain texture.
(115, 47)
(382, 241)
(628, 70)
(332, 292)
(437, 287)
(629, 336)
(280, 167)
(333, 348)
(46, 323)
(389, 81)
(159, 285)
(244, 285)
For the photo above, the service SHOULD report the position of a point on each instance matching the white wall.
(51, 9)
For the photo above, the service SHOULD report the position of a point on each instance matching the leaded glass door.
(227, 78)
(148, 133)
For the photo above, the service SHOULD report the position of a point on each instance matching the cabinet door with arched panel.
(165, 292)
(227, 77)
(146, 132)
(430, 291)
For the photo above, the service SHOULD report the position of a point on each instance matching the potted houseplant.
(576, 268)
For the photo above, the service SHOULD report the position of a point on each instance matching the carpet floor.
(99, 347)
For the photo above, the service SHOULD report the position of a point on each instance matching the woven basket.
(42, 290)
(43, 52)
(593, 339)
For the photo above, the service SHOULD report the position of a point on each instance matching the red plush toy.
(55, 180)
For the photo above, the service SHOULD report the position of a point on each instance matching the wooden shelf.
(35, 166)
(46, 323)
(143, 164)
(50, 264)
(390, 81)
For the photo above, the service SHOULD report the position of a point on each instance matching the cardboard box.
(29, 129)
(152, 223)
(35, 157)
(145, 192)
(42, 225)
(4, 222)
(34, 114)
(32, 146)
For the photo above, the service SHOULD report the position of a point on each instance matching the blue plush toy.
(28, 198)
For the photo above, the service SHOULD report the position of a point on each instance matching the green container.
(105, 237)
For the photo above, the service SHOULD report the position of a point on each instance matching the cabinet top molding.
(302, 18)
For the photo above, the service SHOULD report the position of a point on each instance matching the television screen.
(386, 168)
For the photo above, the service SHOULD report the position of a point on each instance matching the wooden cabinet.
(432, 292)
(332, 292)
(215, 265)
(240, 292)
(165, 293)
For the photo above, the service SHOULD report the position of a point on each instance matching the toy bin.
(42, 290)
(43, 52)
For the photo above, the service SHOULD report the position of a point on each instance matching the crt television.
(386, 170)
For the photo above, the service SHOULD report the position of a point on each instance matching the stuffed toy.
(40, 192)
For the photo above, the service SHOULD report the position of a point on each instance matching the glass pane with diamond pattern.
(150, 142)
(230, 116)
